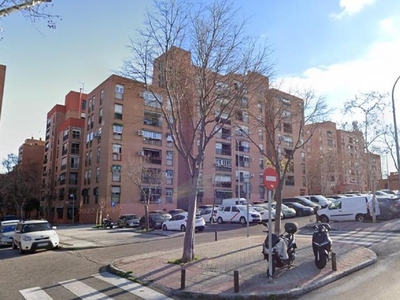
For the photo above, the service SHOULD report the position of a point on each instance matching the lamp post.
(73, 208)
(395, 130)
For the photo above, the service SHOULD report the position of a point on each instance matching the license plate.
(42, 244)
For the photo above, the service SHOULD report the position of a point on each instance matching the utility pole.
(395, 131)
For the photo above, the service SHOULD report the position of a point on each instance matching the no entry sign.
(270, 178)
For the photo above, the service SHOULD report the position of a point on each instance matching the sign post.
(270, 180)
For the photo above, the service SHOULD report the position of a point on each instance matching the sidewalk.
(211, 276)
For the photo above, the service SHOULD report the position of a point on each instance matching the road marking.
(131, 287)
(83, 290)
(35, 293)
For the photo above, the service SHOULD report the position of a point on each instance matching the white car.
(265, 213)
(237, 214)
(33, 235)
(7, 229)
(179, 222)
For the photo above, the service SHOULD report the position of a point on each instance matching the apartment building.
(337, 162)
(31, 153)
(124, 126)
(2, 82)
(62, 159)
(322, 160)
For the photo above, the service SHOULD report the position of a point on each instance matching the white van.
(237, 214)
(348, 209)
(234, 201)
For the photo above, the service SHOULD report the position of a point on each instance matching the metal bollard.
(183, 278)
(236, 281)
(334, 268)
(216, 235)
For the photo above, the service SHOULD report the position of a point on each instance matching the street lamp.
(395, 130)
(73, 207)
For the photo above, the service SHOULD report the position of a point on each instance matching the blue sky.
(336, 47)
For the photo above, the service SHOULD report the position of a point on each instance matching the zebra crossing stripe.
(35, 293)
(83, 291)
(131, 287)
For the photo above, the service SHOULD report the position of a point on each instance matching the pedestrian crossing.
(361, 238)
(108, 286)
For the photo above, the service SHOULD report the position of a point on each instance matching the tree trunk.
(188, 244)
(278, 199)
(146, 215)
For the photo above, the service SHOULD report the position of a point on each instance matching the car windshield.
(132, 217)
(8, 228)
(36, 227)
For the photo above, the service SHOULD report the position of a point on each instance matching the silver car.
(7, 229)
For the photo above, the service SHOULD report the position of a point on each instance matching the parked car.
(176, 211)
(179, 222)
(300, 209)
(155, 221)
(207, 214)
(303, 201)
(33, 235)
(161, 212)
(9, 218)
(319, 199)
(389, 208)
(264, 212)
(287, 212)
(7, 229)
(128, 220)
(237, 213)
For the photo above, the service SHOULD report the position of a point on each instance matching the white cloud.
(374, 70)
(351, 7)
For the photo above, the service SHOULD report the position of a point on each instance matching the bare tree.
(197, 84)
(286, 116)
(147, 179)
(20, 183)
(321, 172)
(370, 109)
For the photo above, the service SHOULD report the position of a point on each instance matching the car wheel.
(360, 218)
(200, 229)
(242, 220)
(183, 228)
(14, 246)
(219, 220)
(127, 226)
(324, 219)
(300, 213)
(164, 227)
(20, 249)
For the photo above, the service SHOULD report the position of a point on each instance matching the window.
(169, 174)
(115, 194)
(83, 105)
(152, 100)
(74, 162)
(96, 195)
(119, 91)
(170, 158)
(117, 130)
(63, 163)
(89, 176)
(76, 134)
(168, 195)
(66, 132)
(101, 97)
(260, 135)
(118, 111)
(245, 102)
(75, 148)
(117, 150)
(62, 178)
(100, 115)
(289, 180)
(98, 154)
(73, 178)
(64, 149)
(116, 173)
(98, 175)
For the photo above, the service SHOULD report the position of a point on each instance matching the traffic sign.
(270, 178)
(113, 204)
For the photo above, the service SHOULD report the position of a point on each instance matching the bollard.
(334, 268)
(216, 235)
(236, 281)
(183, 278)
